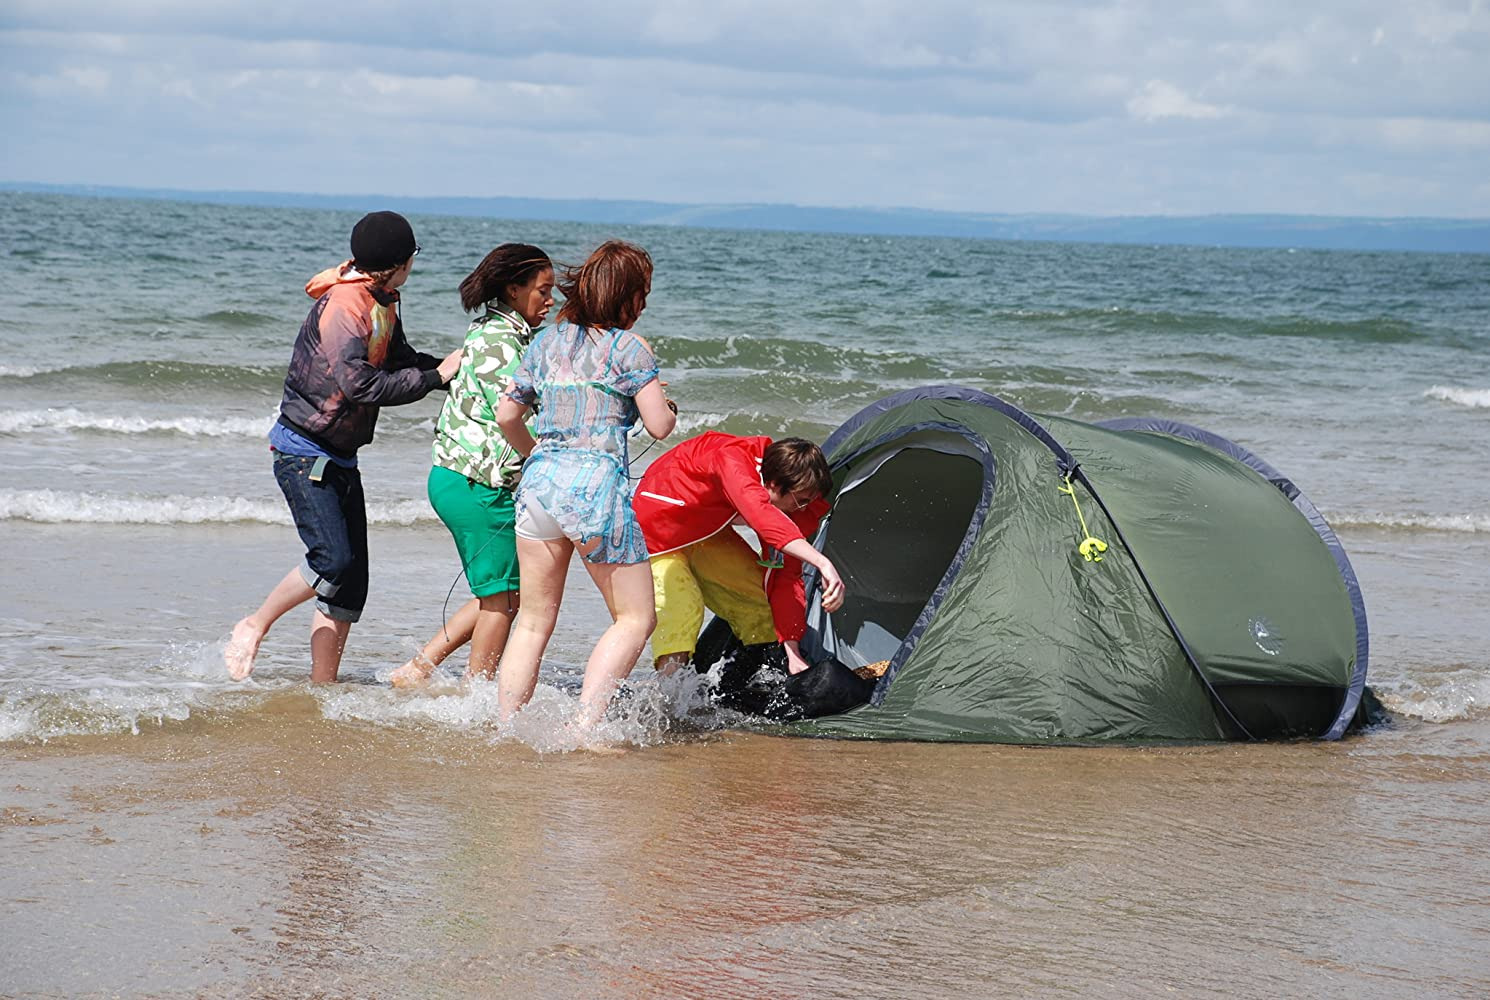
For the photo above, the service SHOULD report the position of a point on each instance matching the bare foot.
(241, 649)
(412, 674)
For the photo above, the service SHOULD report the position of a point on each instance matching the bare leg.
(328, 637)
(627, 590)
(243, 646)
(543, 565)
(489, 638)
(455, 634)
(668, 665)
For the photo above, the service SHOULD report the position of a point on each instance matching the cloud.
(1158, 100)
(1071, 104)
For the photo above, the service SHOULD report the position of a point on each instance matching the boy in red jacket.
(688, 502)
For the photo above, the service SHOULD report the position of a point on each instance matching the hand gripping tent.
(1035, 580)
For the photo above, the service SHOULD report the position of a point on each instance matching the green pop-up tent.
(1038, 579)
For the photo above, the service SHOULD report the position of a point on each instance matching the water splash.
(1440, 696)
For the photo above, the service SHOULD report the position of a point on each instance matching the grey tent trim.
(1009, 410)
(975, 525)
(1174, 428)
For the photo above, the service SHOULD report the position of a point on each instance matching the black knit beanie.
(381, 240)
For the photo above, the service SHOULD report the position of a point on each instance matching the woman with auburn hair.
(475, 470)
(590, 379)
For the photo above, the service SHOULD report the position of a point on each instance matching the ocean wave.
(1470, 524)
(239, 318)
(166, 375)
(1475, 399)
(784, 355)
(60, 507)
(68, 419)
(1117, 319)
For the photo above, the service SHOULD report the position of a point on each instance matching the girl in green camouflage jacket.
(475, 470)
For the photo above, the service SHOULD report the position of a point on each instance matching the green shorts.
(480, 519)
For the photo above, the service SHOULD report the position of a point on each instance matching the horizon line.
(1281, 230)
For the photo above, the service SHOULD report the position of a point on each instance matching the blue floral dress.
(582, 382)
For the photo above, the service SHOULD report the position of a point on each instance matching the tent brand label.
(1267, 640)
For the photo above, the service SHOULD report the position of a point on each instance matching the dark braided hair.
(509, 264)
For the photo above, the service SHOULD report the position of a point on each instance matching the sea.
(170, 833)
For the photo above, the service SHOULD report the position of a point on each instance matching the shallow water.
(276, 853)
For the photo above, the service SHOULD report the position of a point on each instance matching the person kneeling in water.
(687, 504)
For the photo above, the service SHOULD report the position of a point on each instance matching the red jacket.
(696, 489)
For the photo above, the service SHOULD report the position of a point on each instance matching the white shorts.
(533, 522)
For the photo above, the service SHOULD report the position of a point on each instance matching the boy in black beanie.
(350, 360)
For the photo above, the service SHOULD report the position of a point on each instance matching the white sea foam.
(1450, 523)
(21, 371)
(93, 711)
(18, 722)
(1475, 399)
(1458, 694)
(69, 419)
(184, 678)
(61, 507)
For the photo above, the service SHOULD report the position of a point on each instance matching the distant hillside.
(1300, 231)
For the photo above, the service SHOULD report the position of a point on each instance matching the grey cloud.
(1095, 106)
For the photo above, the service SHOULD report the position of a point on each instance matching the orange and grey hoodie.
(349, 359)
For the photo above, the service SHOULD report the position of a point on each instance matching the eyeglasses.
(799, 504)
(417, 248)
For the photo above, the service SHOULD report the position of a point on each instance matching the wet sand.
(276, 853)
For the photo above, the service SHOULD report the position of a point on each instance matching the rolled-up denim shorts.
(330, 513)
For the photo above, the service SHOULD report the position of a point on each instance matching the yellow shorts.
(721, 573)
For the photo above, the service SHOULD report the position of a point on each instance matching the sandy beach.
(278, 854)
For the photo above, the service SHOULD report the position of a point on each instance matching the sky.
(1136, 107)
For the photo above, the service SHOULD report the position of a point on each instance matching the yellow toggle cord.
(1091, 548)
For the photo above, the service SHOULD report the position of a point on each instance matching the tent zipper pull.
(1091, 547)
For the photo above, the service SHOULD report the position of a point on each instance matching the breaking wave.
(69, 419)
(61, 507)
(1471, 524)
(1474, 399)
(164, 376)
